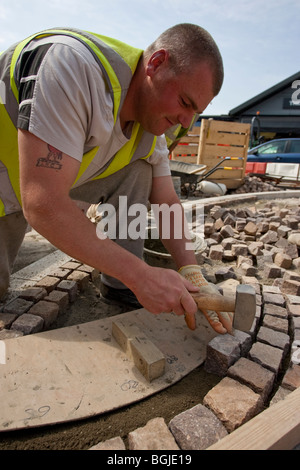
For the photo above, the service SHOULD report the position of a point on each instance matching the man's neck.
(128, 111)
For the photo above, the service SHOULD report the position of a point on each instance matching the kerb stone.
(221, 352)
(46, 310)
(154, 436)
(245, 307)
(197, 428)
(233, 403)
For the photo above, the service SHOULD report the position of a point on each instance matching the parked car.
(279, 157)
(275, 151)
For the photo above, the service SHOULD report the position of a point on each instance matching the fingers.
(190, 320)
(221, 322)
(213, 320)
(226, 318)
(186, 305)
(189, 308)
(189, 286)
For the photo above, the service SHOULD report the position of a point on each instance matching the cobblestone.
(154, 436)
(48, 311)
(81, 278)
(69, 286)
(291, 379)
(278, 324)
(18, 306)
(6, 320)
(233, 403)
(274, 338)
(115, 443)
(49, 283)
(205, 430)
(33, 293)
(61, 298)
(258, 378)
(28, 324)
(267, 356)
(221, 352)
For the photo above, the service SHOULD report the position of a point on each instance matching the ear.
(156, 60)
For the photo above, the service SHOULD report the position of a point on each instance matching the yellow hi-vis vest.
(117, 61)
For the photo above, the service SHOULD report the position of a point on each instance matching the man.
(79, 121)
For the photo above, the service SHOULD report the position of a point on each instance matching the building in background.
(274, 113)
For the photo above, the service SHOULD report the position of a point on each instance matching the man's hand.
(221, 322)
(162, 290)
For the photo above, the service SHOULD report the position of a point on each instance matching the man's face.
(168, 99)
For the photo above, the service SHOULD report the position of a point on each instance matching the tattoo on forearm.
(52, 160)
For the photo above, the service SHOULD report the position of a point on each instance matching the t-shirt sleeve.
(160, 158)
(68, 96)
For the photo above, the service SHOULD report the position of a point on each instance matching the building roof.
(264, 95)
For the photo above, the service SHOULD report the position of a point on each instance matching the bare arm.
(46, 176)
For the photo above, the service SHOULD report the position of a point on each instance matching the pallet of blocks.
(220, 140)
(187, 148)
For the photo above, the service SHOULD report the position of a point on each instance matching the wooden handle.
(217, 303)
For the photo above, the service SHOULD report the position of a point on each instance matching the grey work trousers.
(133, 181)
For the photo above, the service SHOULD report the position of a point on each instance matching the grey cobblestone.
(274, 338)
(18, 306)
(61, 298)
(267, 356)
(33, 294)
(48, 311)
(28, 324)
(70, 287)
(197, 428)
(6, 320)
(221, 352)
(278, 324)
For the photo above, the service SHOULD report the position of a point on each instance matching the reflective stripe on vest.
(117, 61)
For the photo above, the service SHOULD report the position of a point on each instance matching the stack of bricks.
(36, 308)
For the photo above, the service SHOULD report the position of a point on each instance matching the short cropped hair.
(188, 44)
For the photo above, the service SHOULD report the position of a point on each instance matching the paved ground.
(81, 434)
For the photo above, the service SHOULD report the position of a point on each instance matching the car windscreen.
(272, 147)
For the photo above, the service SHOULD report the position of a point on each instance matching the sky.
(258, 39)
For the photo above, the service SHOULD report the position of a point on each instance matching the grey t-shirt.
(64, 101)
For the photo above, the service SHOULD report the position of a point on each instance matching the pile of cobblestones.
(251, 184)
(254, 184)
(262, 242)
